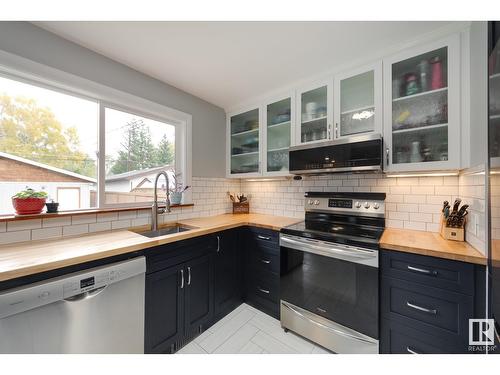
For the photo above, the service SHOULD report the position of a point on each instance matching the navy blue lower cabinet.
(228, 272)
(261, 270)
(426, 303)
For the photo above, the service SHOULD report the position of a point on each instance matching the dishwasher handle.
(86, 295)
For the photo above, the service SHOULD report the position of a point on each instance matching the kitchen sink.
(165, 231)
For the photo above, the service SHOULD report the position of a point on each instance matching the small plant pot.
(28, 206)
(175, 198)
(52, 207)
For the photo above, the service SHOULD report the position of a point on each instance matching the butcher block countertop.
(28, 258)
(431, 244)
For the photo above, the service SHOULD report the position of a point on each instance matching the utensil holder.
(241, 208)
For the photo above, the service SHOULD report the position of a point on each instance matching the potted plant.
(177, 191)
(29, 201)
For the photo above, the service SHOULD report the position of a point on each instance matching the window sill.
(45, 215)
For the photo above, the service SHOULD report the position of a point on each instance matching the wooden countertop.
(431, 244)
(33, 257)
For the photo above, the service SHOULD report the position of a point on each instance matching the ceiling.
(227, 63)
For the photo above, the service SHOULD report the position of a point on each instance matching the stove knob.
(376, 206)
(366, 205)
(316, 202)
(310, 201)
(357, 205)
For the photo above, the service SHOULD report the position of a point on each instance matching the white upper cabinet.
(358, 101)
(422, 114)
(314, 112)
(243, 140)
(278, 134)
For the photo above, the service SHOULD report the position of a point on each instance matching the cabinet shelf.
(245, 132)
(272, 126)
(245, 154)
(357, 109)
(408, 97)
(278, 149)
(495, 117)
(495, 76)
(420, 128)
(317, 119)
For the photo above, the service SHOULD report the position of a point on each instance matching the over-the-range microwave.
(353, 154)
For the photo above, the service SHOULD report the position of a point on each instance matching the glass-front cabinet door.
(278, 135)
(358, 102)
(314, 113)
(422, 121)
(244, 140)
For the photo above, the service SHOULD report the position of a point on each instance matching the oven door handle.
(338, 331)
(332, 250)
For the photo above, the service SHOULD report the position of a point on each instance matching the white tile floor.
(246, 330)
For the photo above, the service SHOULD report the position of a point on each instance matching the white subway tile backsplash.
(73, 230)
(83, 219)
(24, 224)
(100, 227)
(56, 221)
(46, 233)
(17, 236)
(107, 216)
(121, 224)
(3, 226)
(127, 215)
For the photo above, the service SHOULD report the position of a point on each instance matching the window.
(137, 148)
(47, 139)
(95, 150)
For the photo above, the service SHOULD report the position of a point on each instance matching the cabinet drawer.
(431, 310)
(434, 272)
(263, 237)
(264, 259)
(262, 291)
(400, 339)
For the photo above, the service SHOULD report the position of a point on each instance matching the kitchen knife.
(456, 204)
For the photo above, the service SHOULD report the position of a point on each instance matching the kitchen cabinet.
(422, 114)
(262, 267)
(315, 112)
(426, 303)
(228, 293)
(278, 134)
(358, 101)
(179, 293)
(244, 139)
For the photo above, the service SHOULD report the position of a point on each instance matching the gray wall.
(31, 42)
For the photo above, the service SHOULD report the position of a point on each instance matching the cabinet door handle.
(422, 270)
(263, 290)
(336, 130)
(189, 276)
(420, 308)
(412, 351)
(329, 127)
(263, 238)
(182, 279)
(265, 261)
(387, 155)
(218, 244)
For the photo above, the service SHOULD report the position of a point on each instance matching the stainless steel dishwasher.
(99, 310)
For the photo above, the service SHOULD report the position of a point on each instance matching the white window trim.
(28, 71)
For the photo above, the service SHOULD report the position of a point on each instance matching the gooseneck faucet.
(154, 209)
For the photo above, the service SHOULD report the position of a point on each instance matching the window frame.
(29, 72)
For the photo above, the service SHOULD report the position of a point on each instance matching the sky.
(83, 114)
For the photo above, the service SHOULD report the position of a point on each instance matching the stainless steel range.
(329, 271)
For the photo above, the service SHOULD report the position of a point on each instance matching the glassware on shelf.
(313, 114)
(245, 142)
(278, 135)
(437, 73)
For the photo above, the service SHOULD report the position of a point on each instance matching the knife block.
(452, 233)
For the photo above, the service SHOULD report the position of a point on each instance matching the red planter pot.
(28, 206)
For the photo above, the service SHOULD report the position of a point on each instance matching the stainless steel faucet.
(154, 209)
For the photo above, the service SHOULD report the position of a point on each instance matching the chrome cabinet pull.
(336, 130)
(263, 290)
(263, 238)
(422, 270)
(218, 244)
(189, 276)
(411, 351)
(420, 308)
(387, 155)
(182, 279)
(265, 261)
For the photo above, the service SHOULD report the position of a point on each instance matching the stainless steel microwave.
(353, 154)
